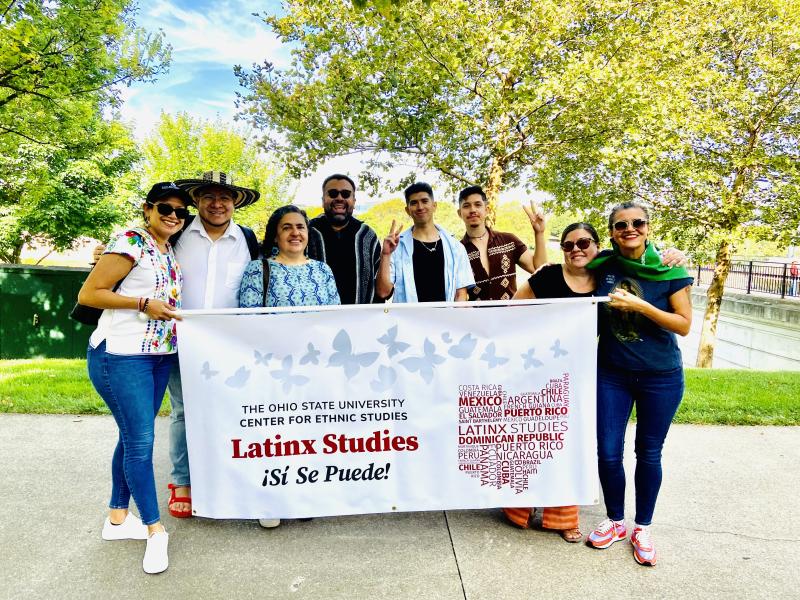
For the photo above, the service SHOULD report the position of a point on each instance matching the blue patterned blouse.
(310, 284)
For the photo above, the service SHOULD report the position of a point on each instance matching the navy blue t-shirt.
(629, 340)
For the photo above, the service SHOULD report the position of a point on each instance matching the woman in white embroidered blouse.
(130, 355)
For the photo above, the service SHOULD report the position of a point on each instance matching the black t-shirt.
(429, 271)
(549, 282)
(340, 255)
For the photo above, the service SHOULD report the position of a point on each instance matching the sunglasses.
(582, 244)
(635, 223)
(166, 210)
(334, 194)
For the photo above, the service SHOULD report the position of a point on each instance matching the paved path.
(727, 526)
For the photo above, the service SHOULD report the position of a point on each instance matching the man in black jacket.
(349, 247)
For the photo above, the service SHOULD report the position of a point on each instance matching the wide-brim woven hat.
(241, 196)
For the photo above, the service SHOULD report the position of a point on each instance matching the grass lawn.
(723, 397)
(51, 386)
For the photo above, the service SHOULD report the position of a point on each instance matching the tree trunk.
(708, 336)
(493, 187)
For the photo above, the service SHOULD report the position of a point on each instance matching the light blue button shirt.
(457, 272)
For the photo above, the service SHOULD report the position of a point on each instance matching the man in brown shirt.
(494, 255)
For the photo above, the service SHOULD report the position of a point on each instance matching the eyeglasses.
(635, 223)
(166, 210)
(345, 194)
(582, 244)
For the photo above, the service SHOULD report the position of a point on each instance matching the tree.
(64, 160)
(182, 147)
(480, 91)
(715, 145)
(63, 63)
(50, 196)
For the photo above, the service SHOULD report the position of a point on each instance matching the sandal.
(178, 514)
(573, 536)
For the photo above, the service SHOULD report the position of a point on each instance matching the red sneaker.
(606, 533)
(643, 549)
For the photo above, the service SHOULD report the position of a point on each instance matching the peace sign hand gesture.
(391, 241)
(536, 216)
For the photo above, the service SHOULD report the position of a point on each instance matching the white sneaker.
(269, 523)
(131, 528)
(156, 559)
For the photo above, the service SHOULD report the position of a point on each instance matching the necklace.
(428, 248)
(477, 237)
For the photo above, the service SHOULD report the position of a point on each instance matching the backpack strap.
(252, 241)
(265, 273)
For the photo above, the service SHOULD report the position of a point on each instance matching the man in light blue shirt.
(424, 263)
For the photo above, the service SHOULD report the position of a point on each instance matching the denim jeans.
(178, 453)
(657, 396)
(132, 385)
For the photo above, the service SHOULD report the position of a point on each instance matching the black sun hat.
(241, 196)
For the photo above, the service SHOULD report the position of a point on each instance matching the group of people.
(176, 260)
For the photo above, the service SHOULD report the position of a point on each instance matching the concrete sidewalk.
(726, 526)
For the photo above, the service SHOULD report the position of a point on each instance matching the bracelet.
(144, 306)
(139, 304)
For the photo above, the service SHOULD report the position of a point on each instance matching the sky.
(208, 38)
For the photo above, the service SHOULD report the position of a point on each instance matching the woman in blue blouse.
(294, 279)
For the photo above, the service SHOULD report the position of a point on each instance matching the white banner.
(351, 410)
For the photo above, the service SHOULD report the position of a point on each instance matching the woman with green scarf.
(639, 363)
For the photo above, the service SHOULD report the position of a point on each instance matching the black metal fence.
(753, 276)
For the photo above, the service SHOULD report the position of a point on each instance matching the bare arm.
(461, 295)
(383, 281)
(97, 289)
(530, 261)
(678, 321)
(524, 292)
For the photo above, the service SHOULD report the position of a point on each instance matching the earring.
(275, 251)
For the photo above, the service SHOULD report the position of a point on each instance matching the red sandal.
(178, 514)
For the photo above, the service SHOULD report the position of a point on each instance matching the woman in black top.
(579, 241)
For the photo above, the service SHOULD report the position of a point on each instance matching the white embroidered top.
(154, 275)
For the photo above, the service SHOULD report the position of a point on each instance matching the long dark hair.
(268, 245)
(585, 226)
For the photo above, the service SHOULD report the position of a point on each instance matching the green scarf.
(648, 266)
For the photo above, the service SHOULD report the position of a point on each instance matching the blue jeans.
(178, 453)
(132, 385)
(657, 396)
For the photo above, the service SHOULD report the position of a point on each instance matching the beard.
(338, 218)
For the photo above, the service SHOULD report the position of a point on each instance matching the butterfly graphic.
(207, 372)
(238, 379)
(262, 359)
(284, 374)
(424, 365)
(347, 359)
(464, 348)
(557, 350)
(386, 378)
(530, 361)
(446, 338)
(312, 356)
(491, 358)
(389, 339)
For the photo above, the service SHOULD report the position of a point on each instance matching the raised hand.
(391, 241)
(536, 216)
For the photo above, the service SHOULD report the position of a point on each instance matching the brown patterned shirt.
(503, 250)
